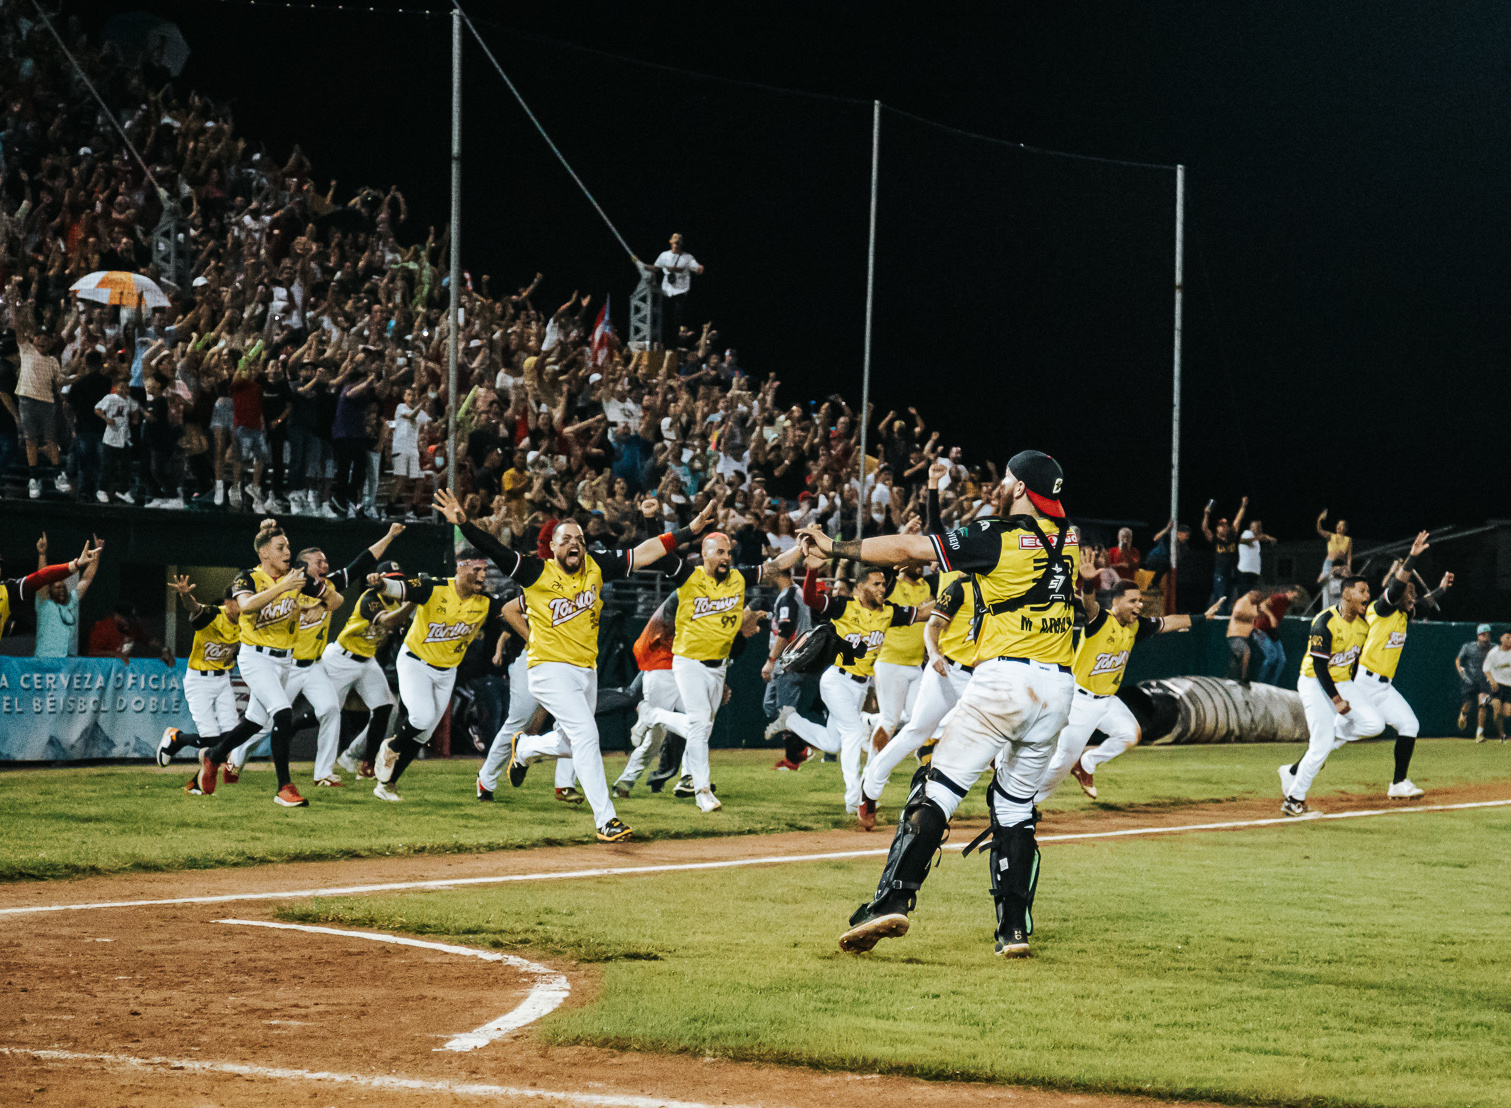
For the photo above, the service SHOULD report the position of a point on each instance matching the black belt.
(962, 667)
(271, 650)
(1094, 696)
(713, 663)
(857, 678)
(210, 672)
(1031, 662)
(423, 662)
(1376, 676)
(305, 663)
(354, 657)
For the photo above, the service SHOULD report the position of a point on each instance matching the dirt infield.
(160, 1004)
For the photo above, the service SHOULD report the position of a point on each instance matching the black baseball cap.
(1042, 476)
(390, 568)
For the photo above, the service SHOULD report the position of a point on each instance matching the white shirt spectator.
(1498, 666)
(677, 275)
(406, 431)
(116, 412)
(624, 411)
(881, 497)
(1248, 553)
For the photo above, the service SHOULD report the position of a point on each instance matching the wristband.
(682, 535)
(668, 541)
(1198, 617)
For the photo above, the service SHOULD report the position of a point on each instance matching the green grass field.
(1338, 962)
(71, 822)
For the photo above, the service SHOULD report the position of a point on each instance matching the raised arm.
(1182, 622)
(881, 550)
(1321, 530)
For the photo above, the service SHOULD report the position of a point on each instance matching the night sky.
(1346, 237)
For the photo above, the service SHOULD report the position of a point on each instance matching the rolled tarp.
(1215, 710)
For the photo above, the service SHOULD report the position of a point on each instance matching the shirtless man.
(1240, 627)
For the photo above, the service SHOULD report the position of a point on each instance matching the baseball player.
(564, 597)
(207, 681)
(1335, 713)
(1387, 621)
(308, 676)
(448, 615)
(653, 656)
(899, 666)
(351, 664)
(522, 709)
(710, 618)
(269, 597)
(1014, 706)
(861, 620)
(1101, 660)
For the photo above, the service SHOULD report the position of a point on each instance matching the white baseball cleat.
(383, 792)
(1404, 790)
(707, 801)
(778, 725)
(347, 762)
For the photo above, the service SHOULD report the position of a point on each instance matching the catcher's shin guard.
(920, 831)
(1014, 859)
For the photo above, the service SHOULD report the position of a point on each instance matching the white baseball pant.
(896, 692)
(522, 705)
(212, 702)
(701, 688)
(570, 693)
(1381, 695)
(1010, 713)
(425, 693)
(1328, 729)
(314, 685)
(265, 677)
(1088, 713)
(364, 675)
(845, 733)
(936, 696)
(658, 690)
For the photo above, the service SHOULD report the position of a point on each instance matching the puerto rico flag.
(603, 335)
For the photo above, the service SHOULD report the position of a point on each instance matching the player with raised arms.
(564, 596)
(1013, 708)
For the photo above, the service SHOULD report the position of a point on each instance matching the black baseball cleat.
(1289, 807)
(868, 930)
(516, 767)
(614, 831)
(167, 746)
(483, 794)
(1013, 945)
(684, 787)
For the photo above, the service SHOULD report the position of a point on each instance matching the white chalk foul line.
(545, 996)
(360, 1080)
(762, 860)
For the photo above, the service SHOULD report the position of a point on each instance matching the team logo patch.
(1396, 641)
(711, 606)
(1110, 663)
(219, 651)
(570, 607)
(448, 632)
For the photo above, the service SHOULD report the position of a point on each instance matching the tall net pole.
(865, 378)
(456, 242)
(1180, 263)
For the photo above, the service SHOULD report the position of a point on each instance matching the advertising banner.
(68, 709)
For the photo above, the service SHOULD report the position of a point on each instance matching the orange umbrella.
(120, 288)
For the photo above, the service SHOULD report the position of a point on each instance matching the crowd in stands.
(301, 364)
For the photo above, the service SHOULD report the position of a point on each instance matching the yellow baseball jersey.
(215, 641)
(708, 614)
(1027, 595)
(958, 601)
(314, 629)
(1102, 657)
(362, 636)
(563, 609)
(903, 646)
(444, 624)
(274, 625)
(5, 605)
(1338, 641)
(1384, 636)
